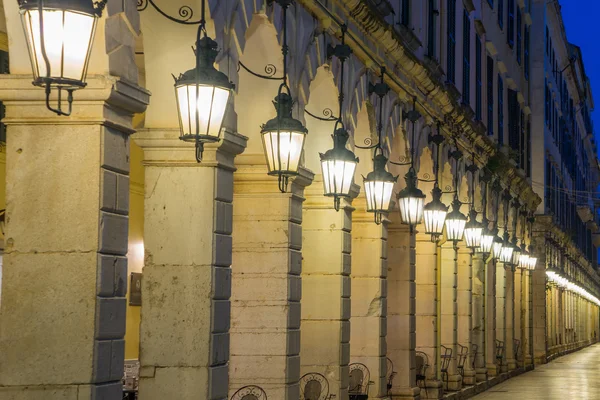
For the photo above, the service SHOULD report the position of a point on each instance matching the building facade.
(245, 287)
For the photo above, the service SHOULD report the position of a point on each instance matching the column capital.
(162, 147)
(107, 100)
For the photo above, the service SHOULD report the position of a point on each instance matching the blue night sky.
(583, 29)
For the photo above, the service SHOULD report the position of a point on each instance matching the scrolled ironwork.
(186, 13)
(270, 71)
(327, 115)
(368, 144)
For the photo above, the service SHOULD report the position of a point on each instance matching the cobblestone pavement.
(572, 377)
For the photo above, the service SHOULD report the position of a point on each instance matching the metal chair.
(474, 352)
(249, 392)
(421, 365)
(314, 386)
(359, 382)
(499, 352)
(516, 345)
(463, 352)
(390, 375)
(446, 357)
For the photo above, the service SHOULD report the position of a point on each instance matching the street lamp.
(60, 35)
(497, 245)
(455, 222)
(507, 249)
(379, 184)
(202, 95)
(473, 231)
(339, 164)
(283, 136)
(434, 214)
(411, 200)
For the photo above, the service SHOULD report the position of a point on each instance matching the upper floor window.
(490, 96)
(431, 31)
(501, 13)
(451, 50)
(519, 36)
(466, 84)
(510, 31)
(405, 12)
(500, 110)
(491, 3)
(526, 52)
(478, 83)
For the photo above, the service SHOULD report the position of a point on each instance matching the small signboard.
(135, 289)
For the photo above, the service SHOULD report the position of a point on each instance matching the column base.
(469, 377)
(481, 374)
(511, 364)
(492, 370)
(63, 392)
(453, 383)
(433, 390)
(406, 393)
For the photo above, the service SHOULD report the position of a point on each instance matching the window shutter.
(466, 92)
(478, 87)
(451, 56)
(490, 96)
(500, 110)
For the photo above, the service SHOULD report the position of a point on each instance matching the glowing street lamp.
(60, 35)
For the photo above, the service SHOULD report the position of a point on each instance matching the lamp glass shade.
(455, 223)
(497, 249)
(283, 139)
(202, 95)
(205, 104)
(531, 263)
(379, 185)
(67, 38)
(506, 253)
(434, 214)
(338, 166)
(523, 261)
(487, 242)
(473, 231)
(516, 255)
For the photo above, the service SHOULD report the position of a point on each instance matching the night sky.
(581, 19)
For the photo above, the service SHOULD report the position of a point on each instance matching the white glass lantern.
(473, 231)
(455, 222)
(410, 200)
(487, 239)
(283, 139)
(532, 263)
(434, 214)
(507, 250)
(338, 166)
(524, 261)
(379, 184)
(202, 96)
(516, 254)
(59, 37)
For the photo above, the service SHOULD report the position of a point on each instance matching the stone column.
(65, 270)
(517, 318)
(325, 335)
(184, 333)
(526, 318)
(67, 203)
(449, 312)
(478, 328)
(369, 297)
(401, 308)
(509, 316)
(464, 300)
(266, 282)
(538, 291)
(490, 319)
(501, 314)
(427, 274)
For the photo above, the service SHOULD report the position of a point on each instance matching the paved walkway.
(575, 376)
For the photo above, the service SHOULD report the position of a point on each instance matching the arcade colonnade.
(242, 284)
